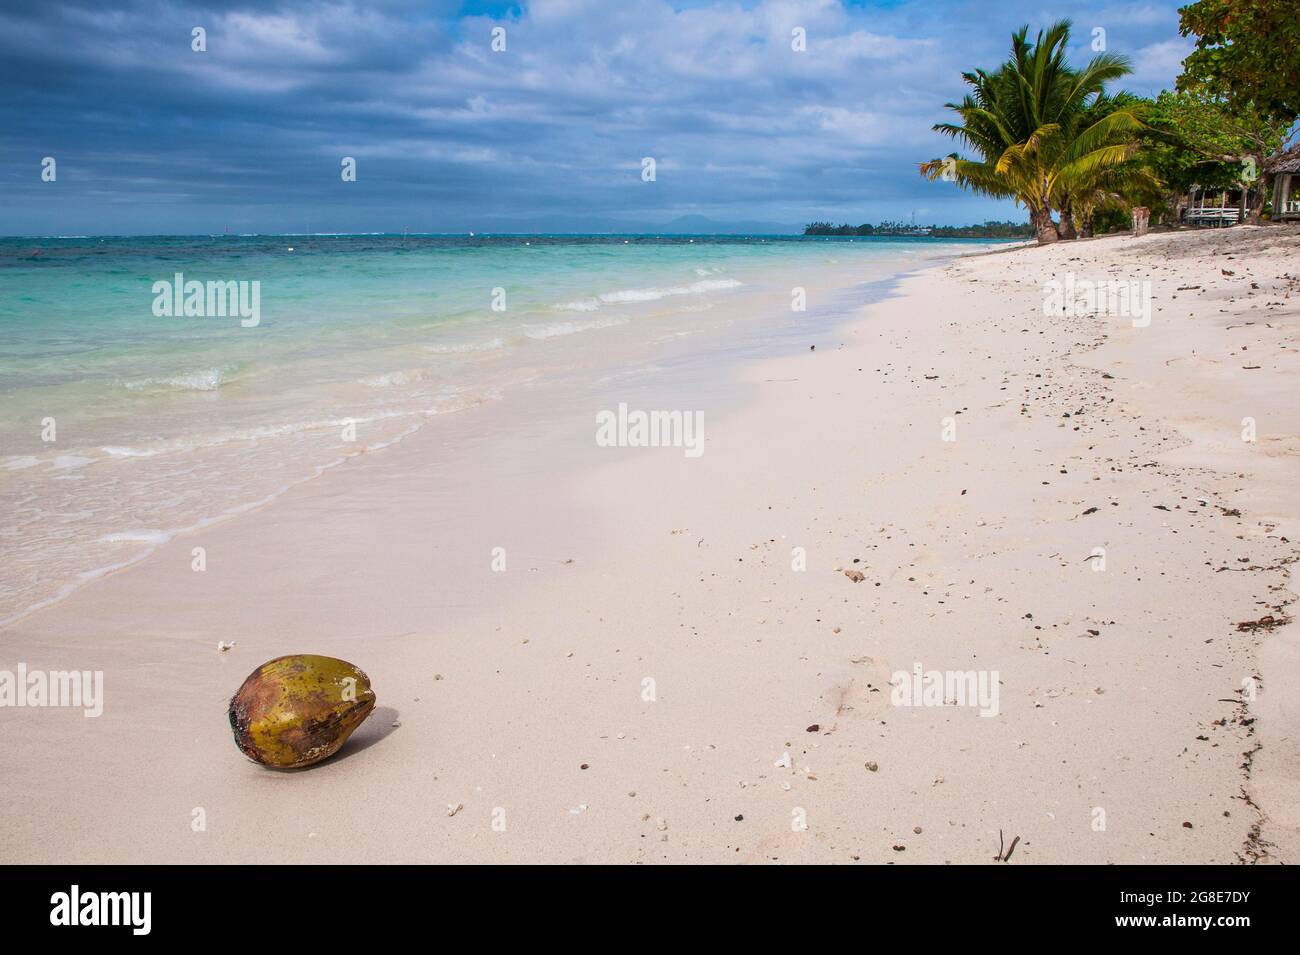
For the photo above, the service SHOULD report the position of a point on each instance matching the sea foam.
(629, 296)
(209, 379)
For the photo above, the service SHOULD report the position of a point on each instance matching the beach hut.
(1213, 207)
(1286, 186)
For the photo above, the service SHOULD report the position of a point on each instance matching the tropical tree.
(1046, 135)
(1115, 176)
(1178, 168)
(1247, 51)
(1239, 92)
(1237, 139)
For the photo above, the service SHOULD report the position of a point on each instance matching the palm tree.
(1036, 125)
(1113, 173)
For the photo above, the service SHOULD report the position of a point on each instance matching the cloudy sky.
(150, 136)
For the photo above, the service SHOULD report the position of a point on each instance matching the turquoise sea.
(120, 426)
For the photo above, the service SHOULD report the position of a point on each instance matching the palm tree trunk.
(1067, 229)
(1044, 227)
(1085, 224)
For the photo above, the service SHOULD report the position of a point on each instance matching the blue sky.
(150, 136)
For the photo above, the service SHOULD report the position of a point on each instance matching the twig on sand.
(1000, 857)
(1011, 849)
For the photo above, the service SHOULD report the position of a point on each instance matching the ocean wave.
(388, 379)
(569, 328)
(117, 451)
(457, 348)
(630, 296)
(625, 296)
(138, 537)
(582, 305)
(149, 539)
(446, 400)
(209, 379)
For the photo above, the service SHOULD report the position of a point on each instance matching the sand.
(642, 682)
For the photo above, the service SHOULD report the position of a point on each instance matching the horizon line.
(466, 235)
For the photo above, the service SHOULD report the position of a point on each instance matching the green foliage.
(1054, 138)
(1112, 217)
(988, 230)
(1216, 129)
(1247, 52)
(1117, 186)
(1199, 138)
(1174, 161)
(1045, 134)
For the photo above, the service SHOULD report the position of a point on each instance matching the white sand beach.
(655, 678)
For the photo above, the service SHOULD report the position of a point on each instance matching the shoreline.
(645, 564)
(134, 466)
(90, 477)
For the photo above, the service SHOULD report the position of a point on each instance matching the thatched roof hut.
(1288, 160)
(1285, 169)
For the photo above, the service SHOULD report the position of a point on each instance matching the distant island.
(989, 230)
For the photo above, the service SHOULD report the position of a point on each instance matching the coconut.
(295, 711)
